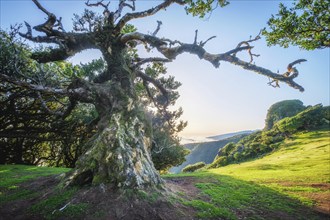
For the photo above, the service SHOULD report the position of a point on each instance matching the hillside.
(291, 183)
(299, 169)
(263, 142)
(205, 151)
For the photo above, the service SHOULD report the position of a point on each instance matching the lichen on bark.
(119, 155)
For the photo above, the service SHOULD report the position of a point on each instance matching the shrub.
(218, 162)
(283, 109)
(193, 167)
(227, 149)
(310, 118)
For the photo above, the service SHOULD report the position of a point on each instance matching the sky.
(214, 100)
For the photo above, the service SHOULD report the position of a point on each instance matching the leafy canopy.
(202, 7)
(306, 25)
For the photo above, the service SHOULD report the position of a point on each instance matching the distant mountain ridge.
(198, 140)
(206, 151)
(228, 135)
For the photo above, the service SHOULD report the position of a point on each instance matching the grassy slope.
(283, 184)
(278, 186)
(304, 158)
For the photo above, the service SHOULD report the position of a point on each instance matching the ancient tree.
(119, 153)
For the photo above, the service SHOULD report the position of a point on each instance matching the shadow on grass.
(231, 198)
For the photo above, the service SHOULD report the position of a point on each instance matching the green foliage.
(166, 150)
(305, 24)
(311, 118)
(59, 141)
(202, 7)
(32, 131)
(193, 167)
(128, 28)
(219, 162)
(263, 142)
(169, 154)
(281, 110)
(226, 150)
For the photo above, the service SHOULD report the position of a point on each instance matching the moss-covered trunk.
(119, 154)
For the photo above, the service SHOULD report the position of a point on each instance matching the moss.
(97, 179)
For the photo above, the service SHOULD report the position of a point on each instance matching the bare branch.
(62, 113)
(247, 43)
(38, 39)
(49, 24)
(234, 51)
(77, 93)
(230, 56)
(99, 3)
(129, 16)
(37, 88)
(195, 39)
(59, 24)
(202, 44)
(271, 83)
(159, 23)
(155, 82)
(42, 8)
(122, 5)
(141, 61)
(293, 70)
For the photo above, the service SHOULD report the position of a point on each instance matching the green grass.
(275, 186)
(49, 208)
(303, 159)
(11, 176)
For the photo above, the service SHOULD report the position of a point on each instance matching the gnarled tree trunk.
(119, 154)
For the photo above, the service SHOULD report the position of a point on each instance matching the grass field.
(291, 183)
(295, 177)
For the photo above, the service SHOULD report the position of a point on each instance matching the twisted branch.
(130, 16)
(165, 48)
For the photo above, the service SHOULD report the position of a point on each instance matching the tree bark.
(119, 154)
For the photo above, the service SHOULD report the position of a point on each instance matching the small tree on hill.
(119, 152)
(281, 110)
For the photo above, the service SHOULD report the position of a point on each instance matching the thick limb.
(166, 48)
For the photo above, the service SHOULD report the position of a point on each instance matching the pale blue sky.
(219, 100)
